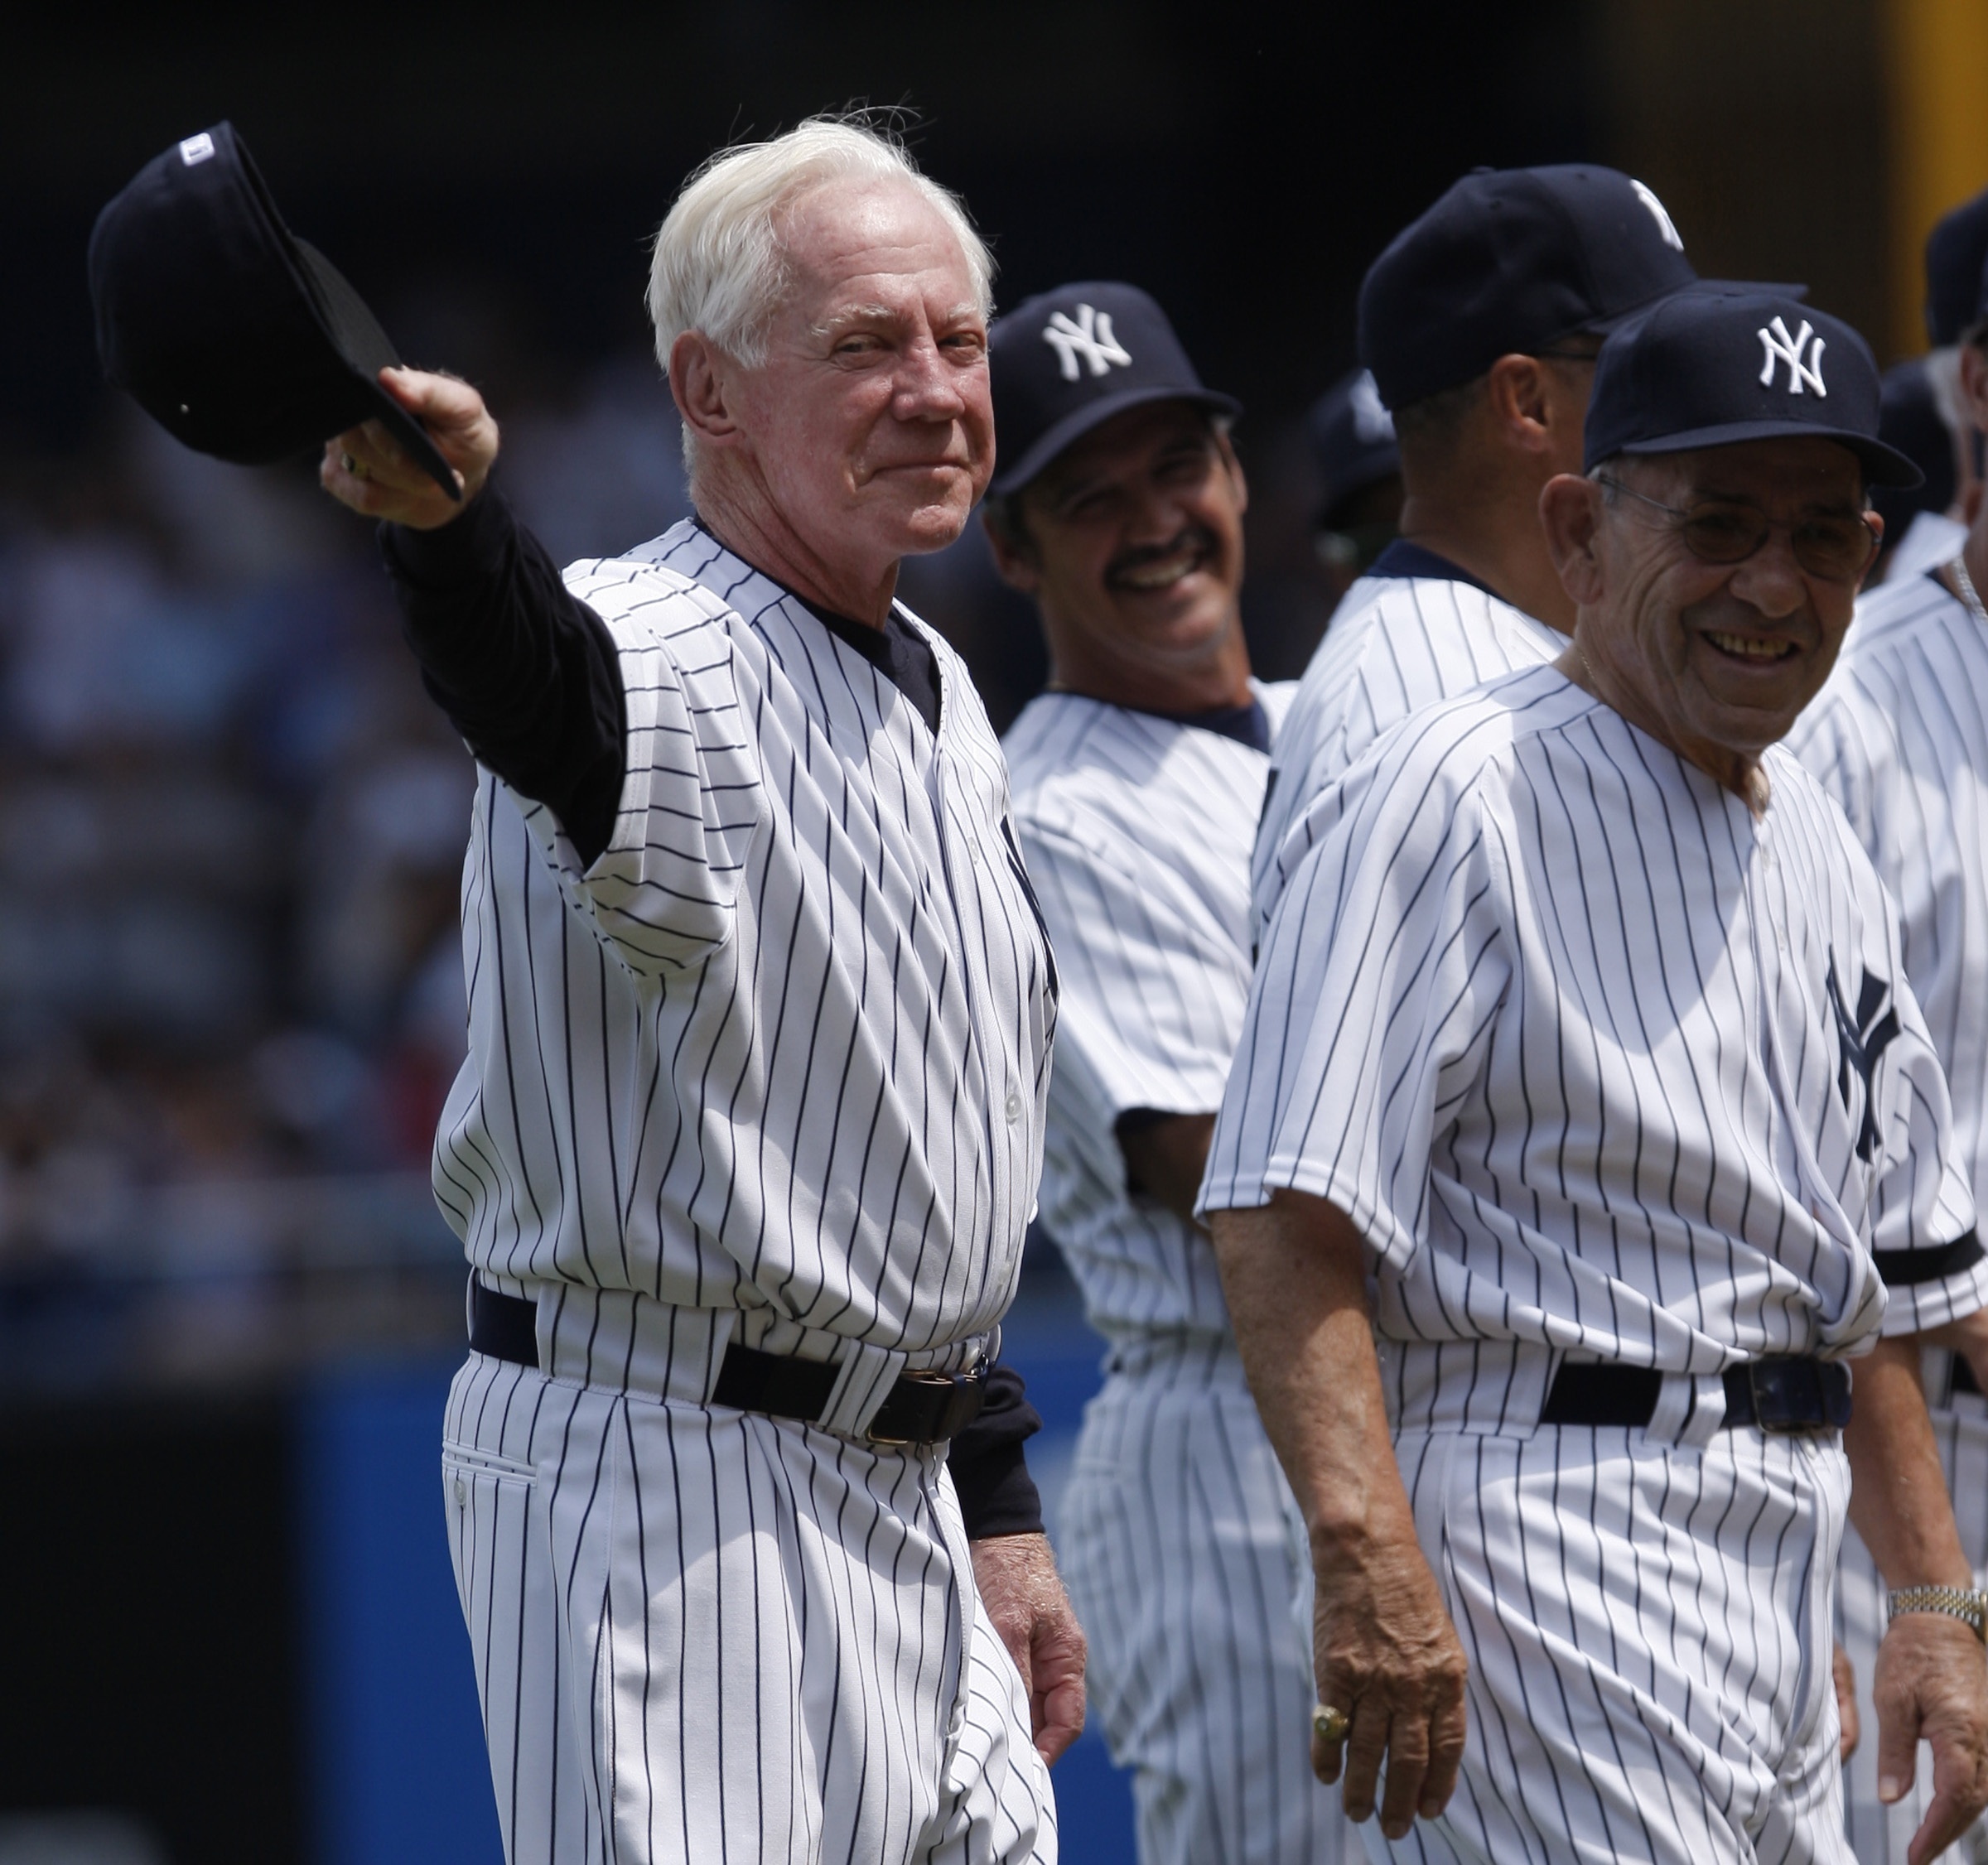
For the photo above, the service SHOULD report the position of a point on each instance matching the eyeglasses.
(1836, 549)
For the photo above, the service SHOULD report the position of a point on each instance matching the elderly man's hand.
(1024, 1597)
(1931, 1684)
(365, 469)
(1388, 1655)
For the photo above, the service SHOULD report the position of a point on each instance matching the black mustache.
(1197, 537)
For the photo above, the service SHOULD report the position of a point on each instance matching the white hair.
(719, 263)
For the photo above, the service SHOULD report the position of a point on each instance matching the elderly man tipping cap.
(761, 1012)
(1583, 1032)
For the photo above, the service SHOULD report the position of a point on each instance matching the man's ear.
(1012, 556)
(1516, 389)
(1227, 448)
(1974, 384)
(1569, 513)
(700, 382)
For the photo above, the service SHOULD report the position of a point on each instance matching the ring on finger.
(1329, 1725)
(352, 466)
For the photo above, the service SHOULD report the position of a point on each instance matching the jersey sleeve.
(1369, 1014)
(1150, 1001)
(663, 892)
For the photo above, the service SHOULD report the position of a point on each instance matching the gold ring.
(352, 466)
(1329, 1725)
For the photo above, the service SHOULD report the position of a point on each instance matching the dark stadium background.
(230, 826)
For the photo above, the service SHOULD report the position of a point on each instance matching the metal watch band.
(1964, 1604)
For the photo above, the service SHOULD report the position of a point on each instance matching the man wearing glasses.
(1583, 1127)
(1900, 738)
(1480, 325)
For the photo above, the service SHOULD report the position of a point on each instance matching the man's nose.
(926, 388)
(1771, 580)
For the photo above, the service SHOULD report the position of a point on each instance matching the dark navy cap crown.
(1068, 359)
(1711, 367)
(1957, 258)
(236, 336)
(1509, 260)
(1352, 440)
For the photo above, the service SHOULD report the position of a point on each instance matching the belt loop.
(1707, 1415)
(867, 1375)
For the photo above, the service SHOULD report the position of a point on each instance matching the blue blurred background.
(231, 825)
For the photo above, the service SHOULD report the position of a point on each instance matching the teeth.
(1158, 576)
(1749, 646)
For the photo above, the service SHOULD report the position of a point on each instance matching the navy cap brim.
(1074, 425)
(1883, 465)
(1701, 287)
(365, 348)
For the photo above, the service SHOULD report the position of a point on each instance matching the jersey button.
(1013, 1109)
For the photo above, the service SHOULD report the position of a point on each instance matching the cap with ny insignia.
(1066, 360)
(1717, 365)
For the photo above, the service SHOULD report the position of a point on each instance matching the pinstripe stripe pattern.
(1135, 829)
(702, 1634)
(1648, 1632)
(1900, 738)
(1173, 1541)
(771, 1070)
(1172, 1536)
(783, 1047)
(1578, 1071)
(1581, 1072)
(1395, 644)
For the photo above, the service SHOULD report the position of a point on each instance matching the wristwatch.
(1966, 1603)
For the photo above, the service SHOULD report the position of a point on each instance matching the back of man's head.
(1528, 262)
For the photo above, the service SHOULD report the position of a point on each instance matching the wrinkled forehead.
(1799, 472)
(852, 242)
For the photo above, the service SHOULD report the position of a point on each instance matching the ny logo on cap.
(1371, 420)
(1088, 336)
(1665, 224)
(1781, 347)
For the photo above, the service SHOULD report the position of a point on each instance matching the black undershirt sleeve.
(528, 675)
(525, 672)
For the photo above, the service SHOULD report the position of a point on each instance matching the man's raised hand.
(365, 469)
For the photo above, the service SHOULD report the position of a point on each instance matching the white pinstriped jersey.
(1595, 1060)
(1135, 830)
(783, 1047)
(1900, 738)
(1395, 644)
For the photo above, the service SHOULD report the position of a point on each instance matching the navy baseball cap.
(239, 338)
(1711, 367)
(1352, 439)
(1068, 359)
(1511, 260)
(1956, 254)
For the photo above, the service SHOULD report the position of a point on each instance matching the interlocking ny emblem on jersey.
(1088, 335)
(1781, 347)
(1862, 1039)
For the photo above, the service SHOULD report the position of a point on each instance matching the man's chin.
(929, 526)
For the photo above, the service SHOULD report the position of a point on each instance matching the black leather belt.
(1786, 1393)
(922, 1408)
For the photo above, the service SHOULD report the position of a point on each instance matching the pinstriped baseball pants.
(703, 1636)
(1648, 1627)
(1174, 1542)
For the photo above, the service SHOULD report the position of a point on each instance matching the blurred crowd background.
(231, 825)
